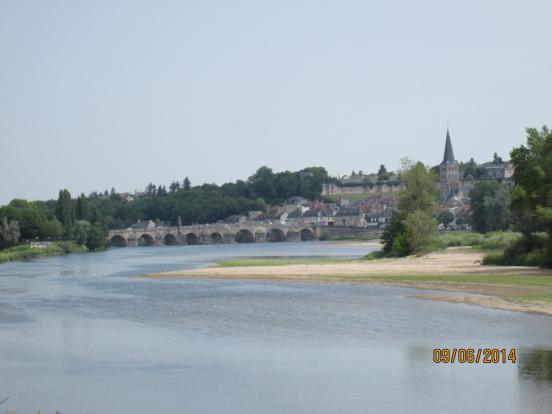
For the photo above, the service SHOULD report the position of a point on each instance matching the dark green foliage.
(471, 169)
(529, 250)
(82, 207)
(65, 211)
(9, 233)
(186, 185)
(412, 229)
(383, 175)
(490, 204)
(35, 219)
(445, 217)
(532, 192)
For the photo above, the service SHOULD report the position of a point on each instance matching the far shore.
(513, 288)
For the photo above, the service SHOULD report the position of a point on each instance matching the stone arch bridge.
(212, 234)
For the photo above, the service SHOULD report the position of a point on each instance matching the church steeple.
(449, 155)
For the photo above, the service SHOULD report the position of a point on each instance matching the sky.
(101, 94)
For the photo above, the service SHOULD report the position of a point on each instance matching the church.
(456, 179)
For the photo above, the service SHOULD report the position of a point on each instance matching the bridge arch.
(170, 240)
(145, 240)
(276, 235)
(192, 238)
(118, 241)
(244, 236)
(306, 234)
(216, 238)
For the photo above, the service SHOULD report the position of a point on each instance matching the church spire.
(449, 155)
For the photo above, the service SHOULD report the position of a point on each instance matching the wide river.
(78, 334)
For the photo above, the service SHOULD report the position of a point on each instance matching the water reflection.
(536, 364)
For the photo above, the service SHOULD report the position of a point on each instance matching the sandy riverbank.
(459, 270)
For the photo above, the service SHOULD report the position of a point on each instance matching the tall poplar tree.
(65, 211)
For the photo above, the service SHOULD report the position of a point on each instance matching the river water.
(77, 334)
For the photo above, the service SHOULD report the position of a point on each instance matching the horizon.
(166, 184)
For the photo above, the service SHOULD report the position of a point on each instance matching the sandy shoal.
(449, 262)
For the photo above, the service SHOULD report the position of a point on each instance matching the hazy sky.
(95, 94)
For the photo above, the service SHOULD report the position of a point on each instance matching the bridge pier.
(228, 238)
(293, 236)
(260, 237)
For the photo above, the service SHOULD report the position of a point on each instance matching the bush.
(488, 241)
(71, 247)
(378, 254)
(524, 251)
(461, 238)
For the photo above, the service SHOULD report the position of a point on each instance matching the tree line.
(86, 219)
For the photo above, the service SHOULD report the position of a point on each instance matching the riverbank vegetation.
(531, 203)
(27, 251)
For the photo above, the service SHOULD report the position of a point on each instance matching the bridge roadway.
(212, 234)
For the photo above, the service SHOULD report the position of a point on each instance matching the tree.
(174, 186)
(80, 231)
(9, 233)
(186, 184)
(151, 189)
(420, 192)
(263, 183)
(420, 231)
(445, 217)
(161, 191)
(90, 235)
(65, 211)
(412, 229)
(82, 207)
(490, 202)
(383, 175)
(532, 192)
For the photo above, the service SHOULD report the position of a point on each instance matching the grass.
(26, 252)
(497, 240)
(504, 280)
(348, 237)
(279, 262)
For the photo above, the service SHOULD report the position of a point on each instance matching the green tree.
(263, 184)
(532, 192)
(82, 207)
(412, 229)
(9, 233)
(174, 186)
(490, 203)
(80, 231)
(32, 219)
(65, 211)
(445, 217)
(186, 185)
(420, 231)
(420, 192)
(383, 175)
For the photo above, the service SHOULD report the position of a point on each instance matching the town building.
(350, 217)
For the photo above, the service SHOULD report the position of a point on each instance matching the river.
(78, 334)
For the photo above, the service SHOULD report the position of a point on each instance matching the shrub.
(524, 251)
